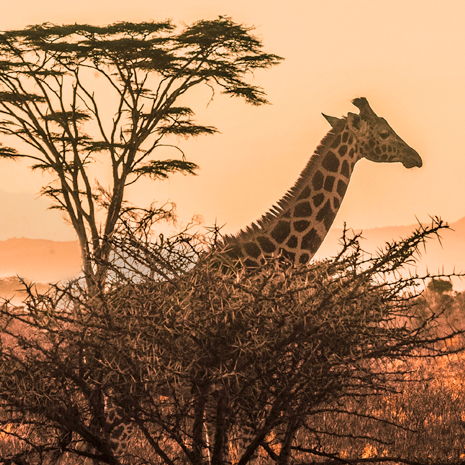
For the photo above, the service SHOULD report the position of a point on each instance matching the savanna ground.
(424, 422)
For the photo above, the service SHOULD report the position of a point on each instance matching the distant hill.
(47, 261)
(39, 259)
(447, 255)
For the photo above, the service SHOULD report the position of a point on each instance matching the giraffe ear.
(332, 120)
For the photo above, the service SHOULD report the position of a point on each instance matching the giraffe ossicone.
(296, 226)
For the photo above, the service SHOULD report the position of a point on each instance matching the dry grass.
(423, 422)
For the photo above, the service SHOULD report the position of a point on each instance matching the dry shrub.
(220, 363)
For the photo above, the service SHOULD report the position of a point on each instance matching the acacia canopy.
(49, 100)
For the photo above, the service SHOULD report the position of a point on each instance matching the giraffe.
(296, 226)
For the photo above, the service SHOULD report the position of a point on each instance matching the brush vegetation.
(339, 361)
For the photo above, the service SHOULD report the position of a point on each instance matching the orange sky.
(407, 58)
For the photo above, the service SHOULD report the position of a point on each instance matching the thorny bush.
(215, 364)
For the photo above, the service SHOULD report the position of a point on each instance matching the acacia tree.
(48, 102)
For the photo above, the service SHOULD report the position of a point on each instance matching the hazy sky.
(406, 57)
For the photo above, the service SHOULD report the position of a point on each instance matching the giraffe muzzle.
(413, 160)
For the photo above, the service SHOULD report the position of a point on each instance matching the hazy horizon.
(44, 260)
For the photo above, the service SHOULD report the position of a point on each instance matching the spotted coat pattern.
(118, 429)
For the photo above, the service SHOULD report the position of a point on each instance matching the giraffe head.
(377, 141)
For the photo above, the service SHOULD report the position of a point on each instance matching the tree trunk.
(198, 443)
(221, 430)
(285, 454)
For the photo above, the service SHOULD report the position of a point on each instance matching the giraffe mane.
(283, 203)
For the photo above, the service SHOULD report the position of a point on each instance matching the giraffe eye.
(384, 135)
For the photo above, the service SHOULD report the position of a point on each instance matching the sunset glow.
(405, 57)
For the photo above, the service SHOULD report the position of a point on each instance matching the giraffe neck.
(118, 428)
(297, 225)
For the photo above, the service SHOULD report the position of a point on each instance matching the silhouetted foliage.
(440, 286)
(53, 105)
